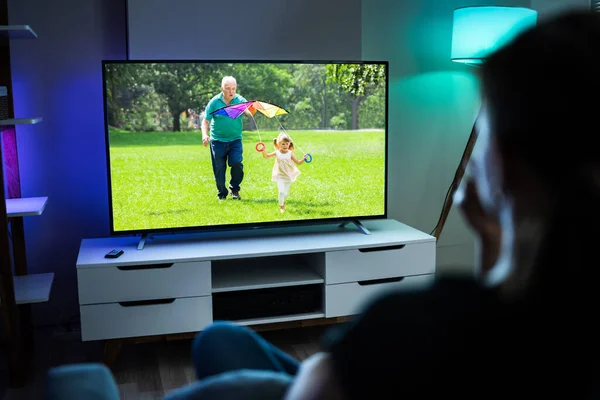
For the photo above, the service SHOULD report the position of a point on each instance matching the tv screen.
(284, 142)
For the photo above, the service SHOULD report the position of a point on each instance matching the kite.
(235, 110)
(267, 109)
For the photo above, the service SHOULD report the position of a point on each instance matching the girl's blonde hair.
(283, 137)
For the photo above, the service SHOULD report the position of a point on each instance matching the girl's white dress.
(285, 169)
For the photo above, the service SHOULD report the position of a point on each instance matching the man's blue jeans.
(223, 154)
(234, 362)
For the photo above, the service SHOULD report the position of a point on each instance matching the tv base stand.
(142, 241)
(145, 236)
(358, 225)
(180, 284)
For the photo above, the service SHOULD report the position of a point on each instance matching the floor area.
(143, 371)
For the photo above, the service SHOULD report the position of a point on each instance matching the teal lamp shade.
(480, 30)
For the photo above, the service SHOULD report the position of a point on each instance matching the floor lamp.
(476, 32)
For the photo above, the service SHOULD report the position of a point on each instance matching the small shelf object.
(33, 288)
(20, 121)
(4, 120)
(17, 32)
(25, 206)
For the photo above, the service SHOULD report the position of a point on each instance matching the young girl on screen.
(284, 170)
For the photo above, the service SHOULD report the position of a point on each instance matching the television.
(160, 172)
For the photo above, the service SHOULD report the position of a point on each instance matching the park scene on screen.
(161, 175)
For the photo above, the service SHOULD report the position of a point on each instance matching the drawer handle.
(140, 303)
(378, 281)
(139, 267)
(382, 248)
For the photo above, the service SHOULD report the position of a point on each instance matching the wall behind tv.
(307, 29)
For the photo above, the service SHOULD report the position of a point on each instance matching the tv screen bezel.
(248, 225)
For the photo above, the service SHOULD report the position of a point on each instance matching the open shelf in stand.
(25, 206)
(17, 32)
(261, 273)
(33, 288)
(20, 121)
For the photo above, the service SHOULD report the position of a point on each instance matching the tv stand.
(358, 225)
(306, 275)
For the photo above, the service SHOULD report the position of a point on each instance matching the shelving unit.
(18, 288)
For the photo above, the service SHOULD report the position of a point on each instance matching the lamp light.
(477, 32)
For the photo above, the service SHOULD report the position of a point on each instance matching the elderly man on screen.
(224, 135)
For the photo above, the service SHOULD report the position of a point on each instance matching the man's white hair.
(227, 79)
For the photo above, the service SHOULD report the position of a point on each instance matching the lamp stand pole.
(460, 171)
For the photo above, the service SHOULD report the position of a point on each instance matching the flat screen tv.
(160, 170)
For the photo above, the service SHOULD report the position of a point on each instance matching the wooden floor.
(142, 371)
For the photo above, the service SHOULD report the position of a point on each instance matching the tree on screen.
(183, 86)
(139, 95)
(356, 79)
(359, 80)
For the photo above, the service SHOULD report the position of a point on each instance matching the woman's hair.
(542, 91)
(283, 137)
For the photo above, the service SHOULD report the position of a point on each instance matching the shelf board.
(20, 121)
(284, 318)
(17, 32)
(34, 288)
(25, 206)
(234, 275)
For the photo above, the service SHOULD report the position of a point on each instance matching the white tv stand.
(171, 286)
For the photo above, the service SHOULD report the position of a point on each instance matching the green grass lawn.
(164, 179)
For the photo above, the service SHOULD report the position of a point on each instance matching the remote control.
(114, 253)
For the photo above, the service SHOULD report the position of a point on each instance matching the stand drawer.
(157, 317)
(348, 298)
(143, 282)
(379, 263)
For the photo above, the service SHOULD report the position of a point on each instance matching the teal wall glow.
(478, 31)
(433, 103)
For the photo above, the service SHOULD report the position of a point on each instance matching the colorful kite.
(267, 109)
(235, 110)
